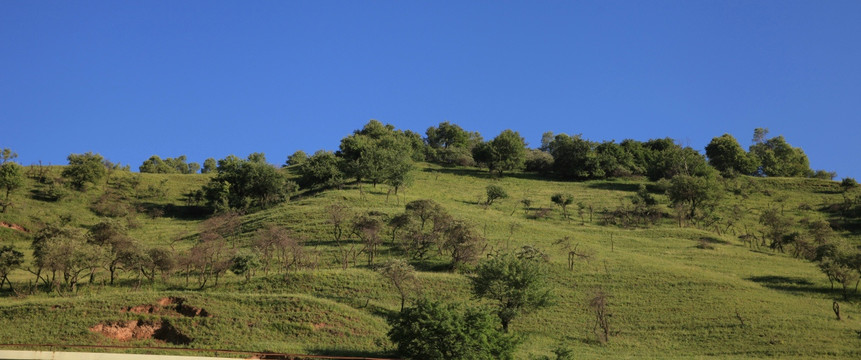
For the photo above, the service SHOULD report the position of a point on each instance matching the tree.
(11, 178)
(727, 156)
(68, 253)
(120, 250)
(245, 184)
(437, 331)
(298, 158)
(244, 264)
(209, 166)
(321, 170)
(377, 153)
(368, 229)
(401, 275)
(11, 259)
(462, 243)
(447, 135)
(506, 152)
(777, 158)
(515, 285)
(695, 192)
(495, 192)
(847, 184)
(563, 200)
(84, 169)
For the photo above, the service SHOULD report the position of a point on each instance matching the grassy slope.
(668, 297)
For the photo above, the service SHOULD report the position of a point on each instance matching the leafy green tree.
(245, 184)
(727, 156)
(825, 175)
(245, 264)
(437, 331)
(538, 161)
(378, 154)
(10, 259)
(156, 165)
(11, 179)
(777, 158)
(84, 169)
(507, 152)
(696, 192)
(571, 157)
(209, 166)
(847, 184)
(323, 169)
(401, 275)
(119, 249)
(447, 135)
(563, 200)
(297, 158)
(495, 192)
(516, 285)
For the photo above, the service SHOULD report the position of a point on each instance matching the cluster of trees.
(178, 165)
(377, 153)
(422, 231)
(766, 157)
(242, 184)
(513, 284)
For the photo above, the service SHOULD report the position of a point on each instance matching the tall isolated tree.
(515, 284)
(84, 169)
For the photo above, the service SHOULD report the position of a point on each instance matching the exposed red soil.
(13, 226)
(141, 330)
(169, 306)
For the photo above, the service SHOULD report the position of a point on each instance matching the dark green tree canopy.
(84, 169)
(436, 331)
(244, 184)
(209, 166)
(727, 156)
(515, 284)
(321, 170)
(178, 165)
(506, 152)
(447, 135)
(777, 158)
(11, 178)
(378, 153)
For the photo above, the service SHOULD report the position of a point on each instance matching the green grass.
(668, 297)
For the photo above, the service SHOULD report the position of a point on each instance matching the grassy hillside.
(674, 291)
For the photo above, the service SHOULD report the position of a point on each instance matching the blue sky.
(129, 79)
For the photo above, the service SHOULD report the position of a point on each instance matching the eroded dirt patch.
(141, 330)
(13, 226)
(170, 306)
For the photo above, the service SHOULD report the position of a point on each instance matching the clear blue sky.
(129, 79)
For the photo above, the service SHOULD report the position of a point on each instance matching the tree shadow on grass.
(484, 174)
(796, 285)
(180, 212)
(608, 185)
